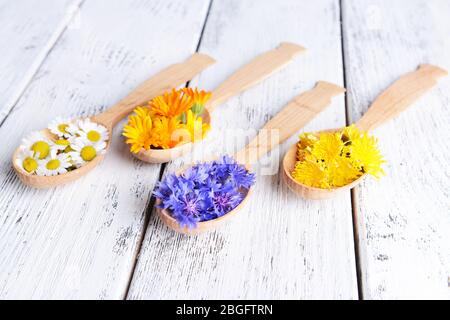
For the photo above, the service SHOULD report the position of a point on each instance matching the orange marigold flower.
(170, 119)
(171, 104)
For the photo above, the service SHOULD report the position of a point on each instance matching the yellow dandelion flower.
(199, 99)
(342, 172)
(336, 159)
(307, 140)
(328, 147)
(366, 156)
(304, 145)
(311, 173)
(139, 132)
(351, 133)
(170, 104)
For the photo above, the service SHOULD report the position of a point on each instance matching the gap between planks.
(349, 120)
(151, 203)
(39, 60)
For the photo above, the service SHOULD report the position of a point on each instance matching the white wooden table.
(99, 237)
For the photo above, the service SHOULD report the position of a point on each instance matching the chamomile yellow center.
(88, 153)
(29, 164)
(62, 142)
(93, 136)
(53, 164)
(42, 148)
(63, 127)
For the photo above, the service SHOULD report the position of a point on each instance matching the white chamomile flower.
(39, 144)
(54, 165)
(84, 151)
(27, 160)
(59, 127)
(92, 132)
(73, 128)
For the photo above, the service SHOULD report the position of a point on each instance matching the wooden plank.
(80, 240)
(29, 31)
(403, 220)
(279, 246)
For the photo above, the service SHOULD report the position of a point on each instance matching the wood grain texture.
(400, 95)
(403, 220)
(300, 111)
(279, 246)
(79, 241)
(258, 69)
(28, 32)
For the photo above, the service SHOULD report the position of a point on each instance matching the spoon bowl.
(203, 226)
(166, 79)
(305, 191)
(42, 182)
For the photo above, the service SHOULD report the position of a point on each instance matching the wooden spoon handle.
(165, 80)
(257, 70)
(400, 95)
(295, 115)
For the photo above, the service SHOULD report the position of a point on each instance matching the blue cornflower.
(205, 191)
(226, 199)
(196, 175)
(227, 169)
(240, 176)
(188, 208)
(166, 188)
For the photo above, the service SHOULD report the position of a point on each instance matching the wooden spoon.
(394, 100)
(254, 72)
(163, 81)
(288, 121)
